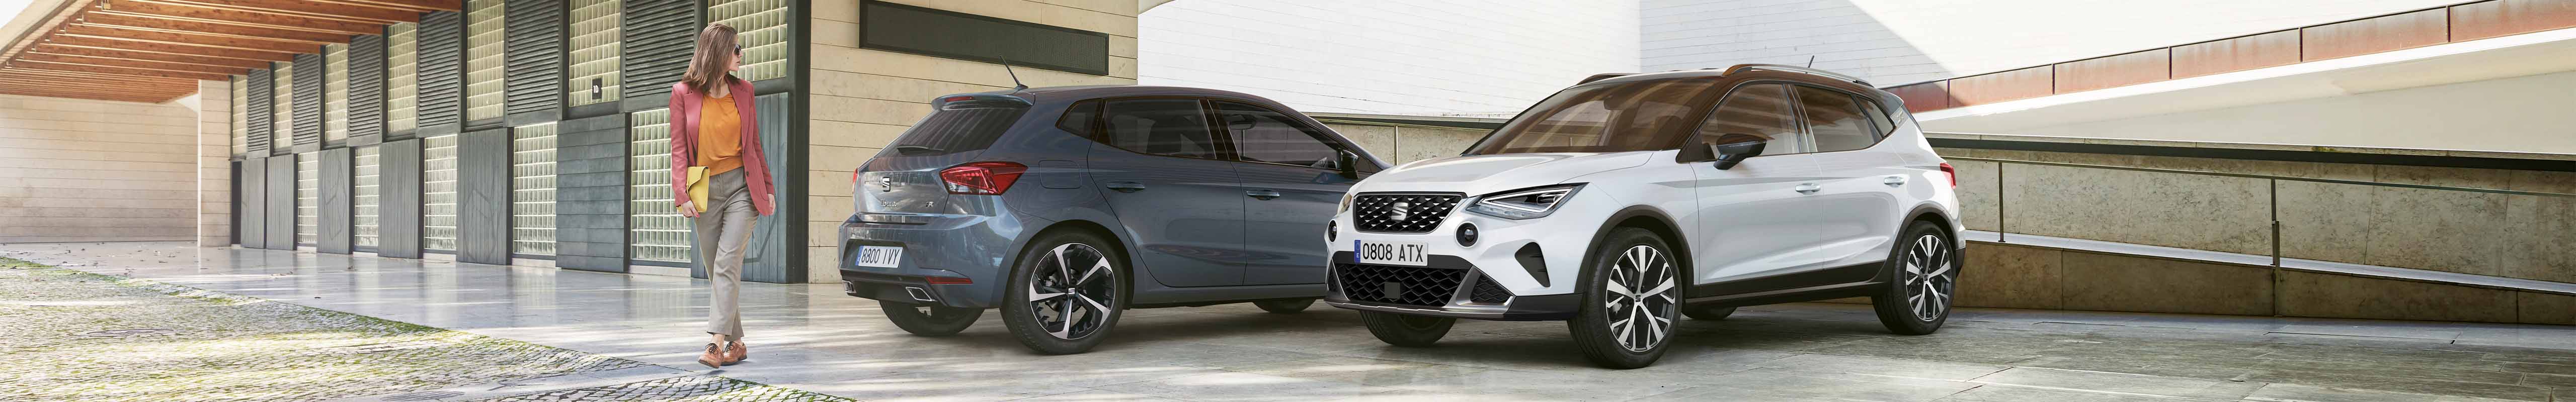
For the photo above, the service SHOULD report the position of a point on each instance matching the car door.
(1863, 184)
(1174, 190)
(1752, 218)
(1290, 187)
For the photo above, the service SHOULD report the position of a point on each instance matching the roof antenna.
(1811, 61)
(1015, 76)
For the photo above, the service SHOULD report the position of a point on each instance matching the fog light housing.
(1332, 230)
(1466, 234)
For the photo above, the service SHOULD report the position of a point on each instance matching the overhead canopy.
(157, 50)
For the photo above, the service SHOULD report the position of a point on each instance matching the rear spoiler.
(978, 99)
(1602, 76)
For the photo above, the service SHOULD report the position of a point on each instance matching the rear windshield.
(1638, 115)
(957, 130)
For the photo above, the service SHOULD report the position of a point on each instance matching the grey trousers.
(723, 229)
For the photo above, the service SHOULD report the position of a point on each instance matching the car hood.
(1482, 174)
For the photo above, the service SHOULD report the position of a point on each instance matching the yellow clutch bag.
(698, 188)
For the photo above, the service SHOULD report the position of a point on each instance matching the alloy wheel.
(1929, 278)
(1641, 298)
(1071, 291)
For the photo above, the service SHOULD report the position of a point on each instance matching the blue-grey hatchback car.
(1064, 206)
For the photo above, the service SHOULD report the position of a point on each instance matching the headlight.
(1523, 204)
(1346, 203)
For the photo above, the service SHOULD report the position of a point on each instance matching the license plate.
(878, 255)
(1392, 252)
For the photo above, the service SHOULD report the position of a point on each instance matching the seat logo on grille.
(1400, 212)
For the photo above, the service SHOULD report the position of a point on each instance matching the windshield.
(1638, 115)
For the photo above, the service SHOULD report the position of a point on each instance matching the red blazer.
(684, 142)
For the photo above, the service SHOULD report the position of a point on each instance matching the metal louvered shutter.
(261, 85)
(660, 36)
(366, 89)
(307, 98)
(535, 43)
(442, 71)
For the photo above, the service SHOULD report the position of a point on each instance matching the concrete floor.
(811, 337)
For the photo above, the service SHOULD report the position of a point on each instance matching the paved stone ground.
(810, 337)
(69, 335)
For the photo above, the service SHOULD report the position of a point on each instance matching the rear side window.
(1877, 115)
(957, 130)
(1165, 127)
(1078, 118)
(1835, 119)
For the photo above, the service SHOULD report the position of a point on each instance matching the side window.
(1079, 117)
(1835, 121)
(1877, 116)
(1165, 127)
(1261, 135)
(1759, 110)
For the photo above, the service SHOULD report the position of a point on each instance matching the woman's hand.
(687, 210)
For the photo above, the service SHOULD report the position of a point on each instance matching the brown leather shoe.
(735, 352)
(713, 359)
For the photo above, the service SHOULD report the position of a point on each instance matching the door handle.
(1809, 188)
(1125, 186)
(1263, 194)
(1894, 180)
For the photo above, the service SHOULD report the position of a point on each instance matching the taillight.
(982, 177)
(854, 176)
(1953, 173)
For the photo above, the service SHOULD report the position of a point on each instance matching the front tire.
(929, 319)
(1407, 330)
(1631, 296)
(1066, 292)
(1285, 305)
(1926, 271)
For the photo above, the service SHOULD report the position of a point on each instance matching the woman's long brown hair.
(707, 64)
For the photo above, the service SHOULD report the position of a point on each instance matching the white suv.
(1627, 200)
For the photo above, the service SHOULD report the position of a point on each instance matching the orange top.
(719, 135)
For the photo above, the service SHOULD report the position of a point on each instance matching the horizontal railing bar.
(2280, 178)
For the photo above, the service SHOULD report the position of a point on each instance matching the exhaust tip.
(918, 294)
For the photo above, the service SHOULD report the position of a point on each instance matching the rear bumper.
(971, 248)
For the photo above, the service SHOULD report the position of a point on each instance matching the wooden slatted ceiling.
(157, 50)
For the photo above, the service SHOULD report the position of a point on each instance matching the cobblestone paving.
(684, 389)
(174, 343)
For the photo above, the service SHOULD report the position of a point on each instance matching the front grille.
(1488, 292)
(1402, 212)
(1410, 286)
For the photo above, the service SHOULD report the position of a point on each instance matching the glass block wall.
(282, 135)
(308, 196)
(532, 190)
(364, 193)
(335, 93)
(762, 33)
(594, 49)
(402, 76)
(438, 193)
(660, 232)
(483, 62)
(240, 121)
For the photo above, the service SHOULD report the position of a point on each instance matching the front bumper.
(1448, 286)
(972, 247)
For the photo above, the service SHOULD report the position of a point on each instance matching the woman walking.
(714, 127)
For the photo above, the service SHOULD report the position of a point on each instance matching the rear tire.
(1066, 292)
(1708, 313)
(1631, 296)
(1926, 269)
(929, 319)
(1407, 330)
(1285, 305)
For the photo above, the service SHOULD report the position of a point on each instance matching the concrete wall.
(214, 163)
(2024, 277)
(98, 170)
(1402, 143)
(861, 98)
(2496, 235)
(1437, 57)
(2524, 114)
(1897, 41)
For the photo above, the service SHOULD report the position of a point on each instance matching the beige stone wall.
(98, 170)
(2496, 235)
(863, 98)
(214, 164)
(2024, 277)
(1402, 143)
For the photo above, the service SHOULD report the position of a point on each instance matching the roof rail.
(1602, 76)
(1794, 69)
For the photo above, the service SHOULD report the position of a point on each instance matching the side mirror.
(1734, 148)
(1348, 162)
(1238, 122)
